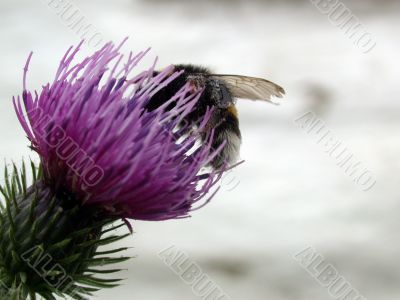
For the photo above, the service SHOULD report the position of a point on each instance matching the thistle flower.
(103, 157)
(97, 141)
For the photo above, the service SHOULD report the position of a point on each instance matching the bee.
(220, 92)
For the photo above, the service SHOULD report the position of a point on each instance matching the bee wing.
(251, 87)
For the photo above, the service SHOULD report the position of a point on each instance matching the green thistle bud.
(49, 242)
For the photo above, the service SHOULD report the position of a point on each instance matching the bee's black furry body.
(224, 118)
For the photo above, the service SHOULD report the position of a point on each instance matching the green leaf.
(23, 178)
(102, 261)
(60, 245)
(111, 251)
(113, 228)
(16, 179)
(108, 271)
(98, 283)
(70, 259)
(104, 241)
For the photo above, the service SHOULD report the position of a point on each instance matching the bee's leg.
(226, 129)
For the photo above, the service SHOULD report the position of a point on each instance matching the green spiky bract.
(49, 242)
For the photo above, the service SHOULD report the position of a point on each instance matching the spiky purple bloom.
(98, 143)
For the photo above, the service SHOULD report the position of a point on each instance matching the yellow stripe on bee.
(170, 72)
(232, 109)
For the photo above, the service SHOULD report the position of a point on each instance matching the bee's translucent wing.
(251, 87)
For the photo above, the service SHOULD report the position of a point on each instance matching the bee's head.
(215, 92)
(218, 92)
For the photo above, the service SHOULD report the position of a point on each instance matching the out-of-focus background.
(289, 194)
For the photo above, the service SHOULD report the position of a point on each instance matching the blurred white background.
(291, 194)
